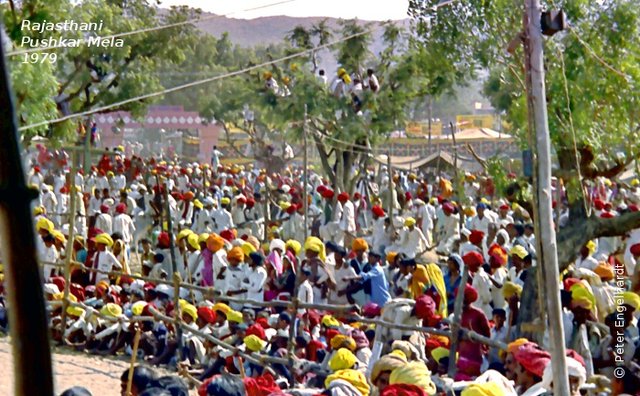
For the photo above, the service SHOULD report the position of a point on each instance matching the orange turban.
(215, 242)
(359, 244)
(235, 254)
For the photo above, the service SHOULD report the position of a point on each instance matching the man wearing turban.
(234, 276)
(321, 278)
(472, 318)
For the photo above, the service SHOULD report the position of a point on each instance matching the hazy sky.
(362, 9)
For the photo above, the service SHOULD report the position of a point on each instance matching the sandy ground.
(101, 375)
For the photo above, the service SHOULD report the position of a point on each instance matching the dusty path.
(101, 375)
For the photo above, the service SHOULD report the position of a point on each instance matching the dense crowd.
(238, 233)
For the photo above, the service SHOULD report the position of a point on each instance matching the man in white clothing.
(104, 260)
(305, 291)
(256, 279)
(123, 224)
(347, 224)
(104, 221)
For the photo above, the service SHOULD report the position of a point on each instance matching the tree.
(592, 72)
(91, 76)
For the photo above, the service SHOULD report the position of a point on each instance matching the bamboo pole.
(134, 356)
(455, 325)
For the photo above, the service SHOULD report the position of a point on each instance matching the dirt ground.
(101, 375)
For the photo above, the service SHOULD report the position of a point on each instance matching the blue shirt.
(379, 286)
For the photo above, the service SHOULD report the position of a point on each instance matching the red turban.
(371, 310)
(470, 294)
(448, 207)
(328, 194)
(633, 208)
(321, 189)
(607, 215)
(163, 240)
(407, 195)
(532, 358)
(575, 355)
(635, 249)
(476, 237)
(77, 291)
(330, 334)
(403, 390)
(228, 235)
(58, 281)
(499, 255)
(188, 196)
(263, 322)
(251, 202)
(207, 314)
(257, 331)
(242, 200)
(570, 282)
(504, 207)
(104, 208)
(292, 209)
(378, 211)
(598, 204)
(425, 307)
(343, 197)
(473, 260)
(121, 208)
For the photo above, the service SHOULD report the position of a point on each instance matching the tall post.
(87, 149)
(391, 187)
(69, 248)
(267, 212)
(430, 110)
(548, 258)
(455, 325)
(29, 332)
(305, 199)
(174, 268)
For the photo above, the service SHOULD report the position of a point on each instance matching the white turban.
(574, 368)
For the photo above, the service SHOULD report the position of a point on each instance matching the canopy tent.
(439, 161)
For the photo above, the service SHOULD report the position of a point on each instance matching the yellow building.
(414, 128)
(474, 121)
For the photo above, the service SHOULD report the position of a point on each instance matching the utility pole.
(534, 66)
(391, 187)
(305, 182)
(27, 316)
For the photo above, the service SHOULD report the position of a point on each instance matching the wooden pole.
(69, 249)
(267, 214)
(134, 356)
(549, 255)
(27, 316)
(174, 270)
(455, 325)
(306, 177)
(391, 187)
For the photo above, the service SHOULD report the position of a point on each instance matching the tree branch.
(479, 159)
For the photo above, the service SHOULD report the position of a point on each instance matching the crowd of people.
(238, 234)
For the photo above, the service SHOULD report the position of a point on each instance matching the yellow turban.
(315, 245)
(387, 362)
(45, 224)
(485, 389)
(631, 299)
(347, 79)
(469, 211)
(409, 221)
(183, 234)
(510, 289)
(582, 297)
(203, 237)
(342, 359)
(284, 205)
(635, 182)
(359, 244)
(437, 281)
(190, 310)
(221, 307)
(225, 201)
(111, 310)
(137, 307)
(439, 353)
(105, 239)
(192, 240)
(234, 316)
(236, 254)
(341, 72)
(591, 246)
(604, 271)
(330, 321)
(391, 257)
(254, 343)
(57, 234)
(248, 248)
(514, 345)
(414, 373)
(215, 242)
(198, 204)
(354, 377)
(485, 201)
(519, 251)
(342, 341)
(38, 210)
(295, 245)
(74, 311)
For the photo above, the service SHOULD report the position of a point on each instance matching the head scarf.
(111, 310)
(314, 244)
(582, 297)
(207, 314)
(510, 289)
(631, 299)
(473, 260)
(470, 294)
(437, 282)
(221, 307)
(342, 359)
(409, 221)
(387, 362)
(403, 390)
(330, 321)
(485, 389)
(574, 369)
(532, 358)
(353, 378)
(235, 254)
(414, 373)
(476, 237)
(190, 310)
(294, 245)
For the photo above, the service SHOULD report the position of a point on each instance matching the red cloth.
(312, 350)
(473, 260)
(403, 390)
(121, 208)
(263, 322)
(532, 358)
(77, 290)
(58, 281)
(471, 352)
(257, 331)
(343, 197)
(330, 334)
(575, 355)
(498, 254)
(163, 240)
(327, 194)
(207, 314)
(635, 249)
(607, 215)
(228, 235)
(570, 282)
(263, 385)
(425, 307)
(448, 207)
(476, 237)
(378, 211)
(371, 310)
(598, 204)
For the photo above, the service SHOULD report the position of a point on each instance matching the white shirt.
(123, 224)
(482, 284)
(348, 219)
(341, 284)
(48, 255)
(104, 223)
(589, 263)
(222, 219)
(94, 205)
(256, 278)
(105, 261)
(233, 278)
(481, 224)
(305, 294)
(119, 182)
